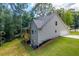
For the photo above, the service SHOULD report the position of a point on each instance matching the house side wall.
(51, 30)
(34, 34)
(48, 31)
(62, 26)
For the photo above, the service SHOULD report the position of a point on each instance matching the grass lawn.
(59, 47)
(74, 33)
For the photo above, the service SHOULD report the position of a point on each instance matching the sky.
(74, 4)
(31, 5)
(66, 4)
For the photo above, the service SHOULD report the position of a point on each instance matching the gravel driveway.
(72, 36)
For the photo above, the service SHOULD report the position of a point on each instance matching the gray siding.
(62, 27)
(34, 34)
(48, 31)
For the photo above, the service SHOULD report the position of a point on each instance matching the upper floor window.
(56, 23)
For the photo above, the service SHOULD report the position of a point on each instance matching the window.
(56, 23)
(32, 31)
(35, 31)
(55, 31)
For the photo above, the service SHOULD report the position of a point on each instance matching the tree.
(61, 13)
(42, 9)
(66, 16)
(26, 19)
(76, 20)
(3, 16)
(13, 17)
(17, 10)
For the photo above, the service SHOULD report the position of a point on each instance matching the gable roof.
(42, 21)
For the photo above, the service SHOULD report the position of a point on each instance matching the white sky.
(56, 3)
(64, 3)
(39, 1)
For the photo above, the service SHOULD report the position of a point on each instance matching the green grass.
(74, 33)
(13, 48)
(57, 47)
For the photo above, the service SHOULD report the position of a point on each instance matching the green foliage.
(42, 9)
(66, 16)
(13, 17)
(27, 18)
(76, 20)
